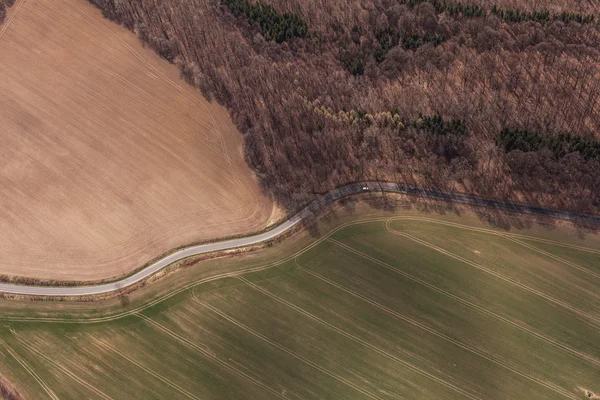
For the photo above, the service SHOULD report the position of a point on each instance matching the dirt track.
(108, 159)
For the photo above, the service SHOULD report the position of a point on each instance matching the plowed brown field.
(107, 158)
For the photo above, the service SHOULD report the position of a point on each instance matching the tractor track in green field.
(327, 237)
(490, 357)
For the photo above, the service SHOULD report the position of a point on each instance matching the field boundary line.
(492, 358)
(212, 357)
(65, 370)
(498, 275)
(106, 346)
(468, 303)
(555, 257)
(495, 232)
(548, 241)
(515, 238)
(286, 350)
(31, 372)
(361, 341)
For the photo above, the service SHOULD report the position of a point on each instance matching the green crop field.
(412, 306)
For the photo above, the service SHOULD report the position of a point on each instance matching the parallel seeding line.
(288, 351)
(361, 341)
(106, 346)
(499, 276)
(214, 358)
(494, 232)
(65, 370)
(468, 303)
(471, 349)
(31, 372)
(512, 237)
(554, 257)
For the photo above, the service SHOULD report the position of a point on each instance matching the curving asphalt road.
(241, 242)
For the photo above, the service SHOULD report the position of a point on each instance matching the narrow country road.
(246, 241)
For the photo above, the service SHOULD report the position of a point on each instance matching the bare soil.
(108, 159)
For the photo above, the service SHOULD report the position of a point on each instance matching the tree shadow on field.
(498, 218)
(584, 227)
(427, 206)
(124, 300)
(309, 224)
(346, 206)
(506, 221)
(122, 295)
(382, 201)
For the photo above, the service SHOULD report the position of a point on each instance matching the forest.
(273, 25)
(495, 98)
(4, 4)
(560, 145)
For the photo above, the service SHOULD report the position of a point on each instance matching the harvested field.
(108, 158)
(411, 306)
